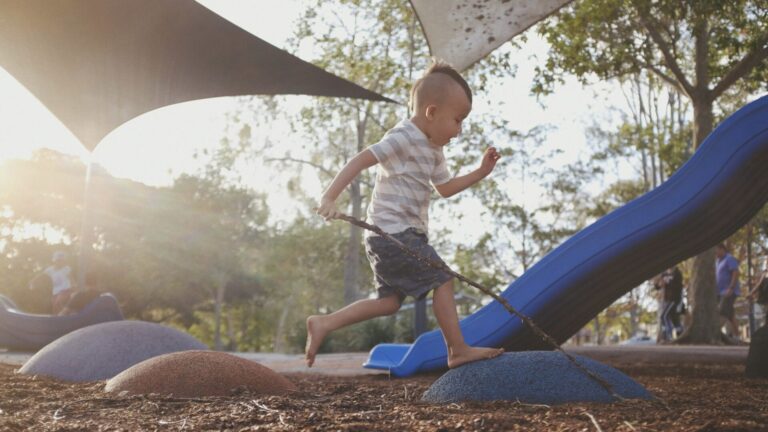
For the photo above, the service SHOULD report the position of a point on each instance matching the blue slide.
(716, 192)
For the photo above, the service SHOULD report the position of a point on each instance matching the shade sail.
(461, 32)
(96, 64)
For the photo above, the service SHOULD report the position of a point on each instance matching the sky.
(156, 146)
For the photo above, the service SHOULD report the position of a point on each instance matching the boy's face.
(445, 119)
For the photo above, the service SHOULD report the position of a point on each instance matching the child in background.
(410, 164)
(59, 277)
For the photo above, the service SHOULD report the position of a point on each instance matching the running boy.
(410, 157)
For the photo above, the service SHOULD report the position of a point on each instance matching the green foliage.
(519, 234)
(615, 196)
(606, 39)
(160, 250)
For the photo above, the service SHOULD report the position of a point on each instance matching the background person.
(670, 282)
(59, 276)
(727, 278)
(82, 297)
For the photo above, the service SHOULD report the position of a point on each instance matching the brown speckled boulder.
(199, 373)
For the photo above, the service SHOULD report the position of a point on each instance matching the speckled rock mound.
(542, 377)
(199, 373)
(104, 350)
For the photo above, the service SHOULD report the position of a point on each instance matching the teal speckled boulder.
(541, 377)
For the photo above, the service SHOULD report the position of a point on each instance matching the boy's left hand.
(490, 157)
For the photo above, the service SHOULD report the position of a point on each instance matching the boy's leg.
(459, 352)
(318, 326)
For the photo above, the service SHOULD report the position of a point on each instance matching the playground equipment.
(103, 350)
(534, 377)
(191, 374)
(717, 191)
(30, 332)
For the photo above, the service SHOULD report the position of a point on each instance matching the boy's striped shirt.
(408, 167)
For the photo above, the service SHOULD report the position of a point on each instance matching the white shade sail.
(461, 32)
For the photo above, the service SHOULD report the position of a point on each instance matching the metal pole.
(752, 324)
(86, 228)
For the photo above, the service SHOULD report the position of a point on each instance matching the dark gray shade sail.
(95, 64)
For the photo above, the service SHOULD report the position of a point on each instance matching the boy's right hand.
(328, 209)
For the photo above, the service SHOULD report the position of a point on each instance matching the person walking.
(727, 278)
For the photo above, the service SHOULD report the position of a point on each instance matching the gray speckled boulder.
(199, 373)
(543, 377)
(104, 350)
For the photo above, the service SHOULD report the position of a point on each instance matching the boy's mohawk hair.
(439, 66)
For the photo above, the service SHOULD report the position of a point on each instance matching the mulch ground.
(691, 398)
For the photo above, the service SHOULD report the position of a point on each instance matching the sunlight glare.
(26, 124)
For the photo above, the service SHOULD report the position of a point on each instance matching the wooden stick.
(524, 318)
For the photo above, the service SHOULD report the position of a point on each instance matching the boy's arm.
(364, 159)
(458, 184)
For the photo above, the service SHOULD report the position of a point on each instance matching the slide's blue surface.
(717, 191)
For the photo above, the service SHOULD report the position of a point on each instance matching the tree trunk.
(246, 337)
(231, 337)
(352, 259)
(633, 312)
(221, 286)
(279, 345)
(598, 328)
(705, 323)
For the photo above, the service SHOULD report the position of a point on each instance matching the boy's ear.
(429, 111)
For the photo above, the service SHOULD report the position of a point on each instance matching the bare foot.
(315, 335)
(467, 354)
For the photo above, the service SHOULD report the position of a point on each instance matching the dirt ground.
(701, 397)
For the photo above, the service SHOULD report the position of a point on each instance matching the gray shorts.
(726, 304)
(397, 273)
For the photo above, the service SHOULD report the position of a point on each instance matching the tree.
(225, 226)
(38, 215)
(164, 252)
(707, 51)
(301, 262)
(523, 233)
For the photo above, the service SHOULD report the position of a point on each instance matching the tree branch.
(301, 161)
(669, 59)
(701, 30)
(664, 77)
(743, 67)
